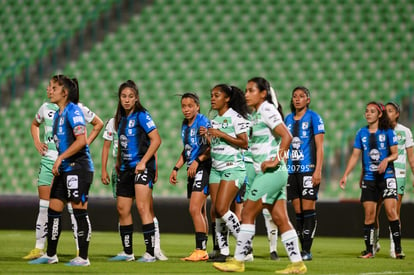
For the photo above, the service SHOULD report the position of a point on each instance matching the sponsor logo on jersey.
(123, 140)
(77, 119)
(374, 154)
(150, 124)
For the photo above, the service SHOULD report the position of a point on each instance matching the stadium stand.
(346, 52)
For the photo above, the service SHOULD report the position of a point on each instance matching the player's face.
(392, 113)
(49, 89)
(189, 108)
(372, 114)
(300, 100)
(128, 99)
(58, 93)
(219, 100)
(254, 97)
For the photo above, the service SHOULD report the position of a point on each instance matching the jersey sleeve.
(109, 131)
(357, 142)
(271, 116)
(87, 113)
(39, 115)
(146, 122)
(205, 122)
(318, 125)
(408, 138)
(240, 124)
(76, 120)
(392, 137)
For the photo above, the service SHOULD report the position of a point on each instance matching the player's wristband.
(197, 160)
(176, 168)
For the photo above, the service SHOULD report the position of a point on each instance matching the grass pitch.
(331, 256)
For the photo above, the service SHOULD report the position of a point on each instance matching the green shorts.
(250, 174)
(45, 176)
(269, 187)
(238, 175)
(401, 185)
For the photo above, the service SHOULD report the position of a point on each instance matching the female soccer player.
(405, 150)
(269, 143)
(304, 165)
(227, 136)
(138, 142)
(196, 154)
(379, 147)
(73, 171)
(110, 137)
(47, 149)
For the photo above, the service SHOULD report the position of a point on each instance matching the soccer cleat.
(249, 257)
(160, 255)
(400, 255)
(147, 258)
(196, 256)
(231, 265)
(78, 261)
(294, 268)
(219, 259)
(274, 256)
(376, 248)
(34, 254)
(213, 254)
(306, 256)
(392, 254)
(366, 255)
(45, 260)
(122, 256)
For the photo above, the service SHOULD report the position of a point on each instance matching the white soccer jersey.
(111, 135)
(405, 140)
(88, 114)
(45, 115)
(263, 145)
(223, 154)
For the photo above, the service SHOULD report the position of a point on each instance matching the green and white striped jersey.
(223, 154)
(405, 140)
(45, 116)
(263, 144)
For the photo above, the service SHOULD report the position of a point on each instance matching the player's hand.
(173, 177)
(56, 165)
(140, 167)
(192, 170)
(105, 178)
(342, 183)
(42, 148)
(269, 164)
(383, 166)
(316, 178)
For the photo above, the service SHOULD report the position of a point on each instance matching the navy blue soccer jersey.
(302, 151)
(194, 144)
(65, 125)
(375, 147)
(133, 139)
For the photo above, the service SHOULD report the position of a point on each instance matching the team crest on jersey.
(61, 120)
(131, 123)
(225, 124)
(305, 125)
(381, 138)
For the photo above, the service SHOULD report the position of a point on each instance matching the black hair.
(384, 122)
(264, 85)
(71, 85)
(120, 110)
(303, 89)
(237, 100)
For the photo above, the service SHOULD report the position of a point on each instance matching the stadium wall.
(335, 219)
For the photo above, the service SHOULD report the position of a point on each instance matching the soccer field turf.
(331, 256)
